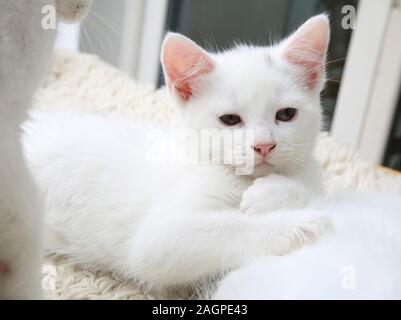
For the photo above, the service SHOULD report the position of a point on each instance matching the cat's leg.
(172, 249)
(21, 278)
(25, 48)
(20, 224)
(275, 192)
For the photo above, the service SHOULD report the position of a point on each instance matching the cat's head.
(274, 92)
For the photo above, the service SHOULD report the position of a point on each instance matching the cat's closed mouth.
(263, 164)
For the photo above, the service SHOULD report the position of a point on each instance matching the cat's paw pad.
(310, 231)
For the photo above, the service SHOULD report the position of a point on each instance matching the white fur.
(110, 206)
(25, 49)
(360, 261)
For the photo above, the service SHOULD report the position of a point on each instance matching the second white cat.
(25, 48)
(361, 260)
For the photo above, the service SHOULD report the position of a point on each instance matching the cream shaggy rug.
(81, 82)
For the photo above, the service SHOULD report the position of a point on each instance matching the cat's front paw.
(272, 193)
(299, 230)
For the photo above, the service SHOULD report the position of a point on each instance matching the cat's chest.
(213, 188)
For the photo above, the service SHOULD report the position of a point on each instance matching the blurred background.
(362, 99)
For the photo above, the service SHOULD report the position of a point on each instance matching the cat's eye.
(286, 114)
(230, 119)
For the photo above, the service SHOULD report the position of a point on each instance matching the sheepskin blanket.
(83, 83)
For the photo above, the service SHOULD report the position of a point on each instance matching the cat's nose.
(264, 149)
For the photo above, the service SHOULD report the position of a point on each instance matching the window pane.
(217, 24)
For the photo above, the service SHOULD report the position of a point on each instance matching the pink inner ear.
(313, 68)
(307, 49)
(184, 63)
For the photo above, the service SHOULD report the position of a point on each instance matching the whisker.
(106, 23)
(332, 80)
(334, 61)
(92, 23)
(85, 32)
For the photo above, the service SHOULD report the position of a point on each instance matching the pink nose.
(264, 149)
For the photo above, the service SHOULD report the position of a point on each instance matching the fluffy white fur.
(361, 260)
(25, 48)
(109, 206)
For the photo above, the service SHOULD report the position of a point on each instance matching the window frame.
(366, 102)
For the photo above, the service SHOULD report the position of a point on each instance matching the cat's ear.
(307, 49)
(184, 64)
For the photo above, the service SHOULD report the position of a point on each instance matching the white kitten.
(360, 261)
(111, 206)
(25, 49)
